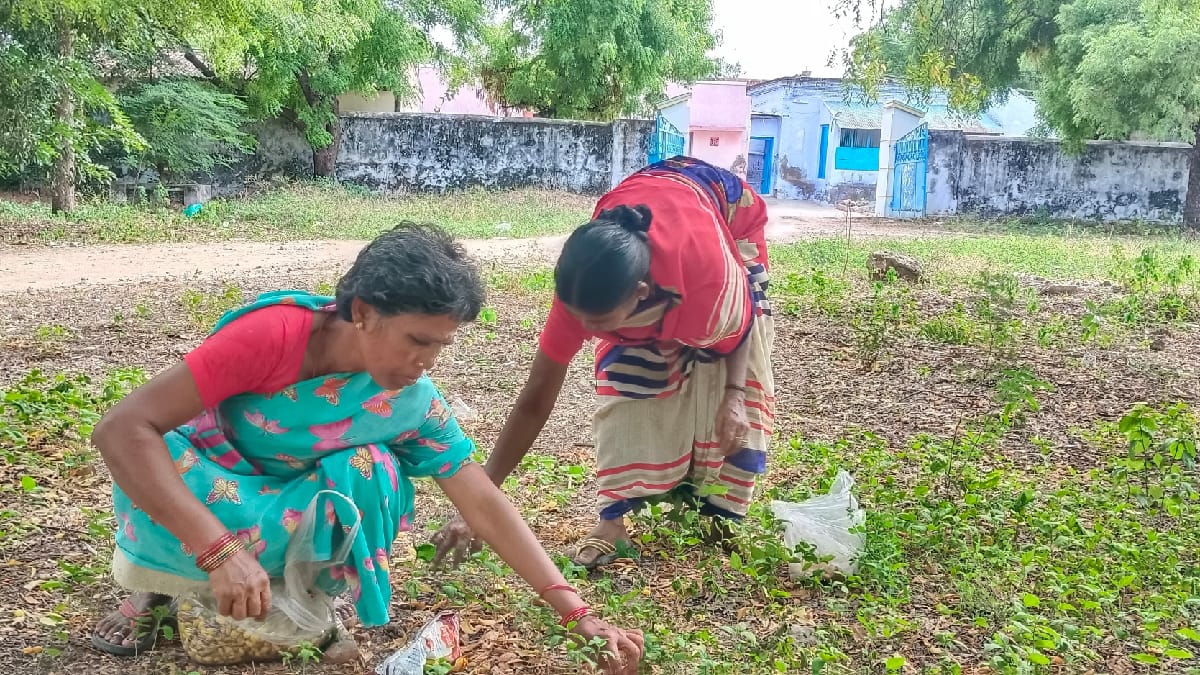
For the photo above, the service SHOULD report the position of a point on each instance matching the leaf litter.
(55, 536)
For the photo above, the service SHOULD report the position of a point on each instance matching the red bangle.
(215, 546)
(557, 587)
(218, 552)
(575, 615)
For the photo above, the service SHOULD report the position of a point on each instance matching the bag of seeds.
(301, 614)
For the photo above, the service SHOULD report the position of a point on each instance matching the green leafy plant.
(1160, 455)
(1017, 391)
(205, 309)
(305, 654)
(53, 333)
(190, 127)
(997, 307)
(1051, 333)
(50, 340)
(954, 327)
(63, 407)
(877, 321)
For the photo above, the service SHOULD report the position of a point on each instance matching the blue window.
(858, 151)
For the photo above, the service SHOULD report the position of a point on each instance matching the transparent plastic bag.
(301, 613)
(462, 411)
(831, 523)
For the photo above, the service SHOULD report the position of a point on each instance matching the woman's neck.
(331, 347)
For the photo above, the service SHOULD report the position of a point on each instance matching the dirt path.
(24, 268)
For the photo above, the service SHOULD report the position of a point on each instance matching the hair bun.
(635, 219)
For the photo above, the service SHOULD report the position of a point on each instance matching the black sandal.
(145, 629)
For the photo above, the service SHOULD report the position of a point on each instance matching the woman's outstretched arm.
(496, 520)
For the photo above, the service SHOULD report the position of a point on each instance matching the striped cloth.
(655, 428)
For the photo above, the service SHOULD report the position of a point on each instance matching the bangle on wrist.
(735, 387)
(219, 552)
(557, 587)
(574, 616)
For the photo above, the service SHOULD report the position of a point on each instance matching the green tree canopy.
(189, 126)
(1101, 69)
(295, 64)
(56, 57)
(595, 59)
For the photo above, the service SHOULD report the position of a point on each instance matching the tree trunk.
(325, 159)
(62, 199)
(1191, 203)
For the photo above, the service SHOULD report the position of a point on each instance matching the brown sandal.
(607, 549)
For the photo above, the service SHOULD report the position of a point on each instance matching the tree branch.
(198, 64)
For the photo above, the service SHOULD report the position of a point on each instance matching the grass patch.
(205, 309)
(536, 281)
(302, 211)
(1025, 514)
(59, 410)
(948, 258)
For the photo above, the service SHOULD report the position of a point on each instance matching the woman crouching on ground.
(215, 459)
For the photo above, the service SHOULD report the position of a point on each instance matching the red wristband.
(557, 587)
(575, 615)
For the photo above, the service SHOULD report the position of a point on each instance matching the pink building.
(714, 118)
(433, 96)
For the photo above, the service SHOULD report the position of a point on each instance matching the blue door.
(760, 164)
(824, 159)
(667, 141)
(908, 177)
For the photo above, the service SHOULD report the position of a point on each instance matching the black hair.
(604, 259)
(413, 268)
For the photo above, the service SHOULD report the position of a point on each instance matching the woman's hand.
(241, 587)
(732, 425)
(455, 536)
(622, 648)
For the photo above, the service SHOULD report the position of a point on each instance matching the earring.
(358, 325)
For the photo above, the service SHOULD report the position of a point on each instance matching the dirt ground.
(123, 308)
(25, 268)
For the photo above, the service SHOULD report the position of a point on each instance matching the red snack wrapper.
(438, 639)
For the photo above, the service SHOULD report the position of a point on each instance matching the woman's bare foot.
(133, 627)
(599, 547)
(346, 612)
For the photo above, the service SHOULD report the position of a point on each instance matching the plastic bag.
(438, 639)
(830, 523)
(214, 640)
(462, 411)
(300, 611)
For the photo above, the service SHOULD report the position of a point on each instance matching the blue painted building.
(817, 142)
